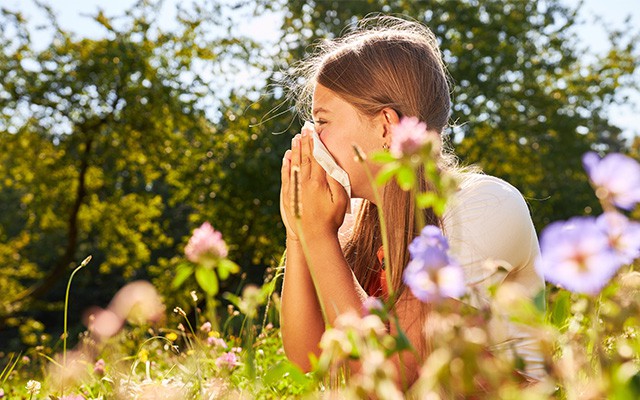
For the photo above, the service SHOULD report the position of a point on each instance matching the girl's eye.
(319, 122)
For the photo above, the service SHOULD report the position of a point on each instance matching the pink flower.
(205, 245)
(72, 397)
(408, 137)
(206, 327)
(217, 342)
(98, 367)
(228, 360)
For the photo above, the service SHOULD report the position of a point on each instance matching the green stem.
(65, 333)
(383, 229)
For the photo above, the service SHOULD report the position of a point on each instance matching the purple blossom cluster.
(616, 178)
(584, 253)
(432, 274)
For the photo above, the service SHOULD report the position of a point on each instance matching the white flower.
(33, 387)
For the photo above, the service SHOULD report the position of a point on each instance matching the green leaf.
(561, 309)
(387, 172)
(183, 271)
(405, 177)
(207, 280)
(540, 301)
(426, 200)
(227, 267)
(382, 157)
(275, 374)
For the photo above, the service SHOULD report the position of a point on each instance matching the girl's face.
(340, 125)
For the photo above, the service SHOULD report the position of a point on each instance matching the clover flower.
(577, 255)
(98, 367)
(616, 178)
(33, 387)
(408, 137)
(206, 327)
(205, 245)
(227, 360)
(432, 274)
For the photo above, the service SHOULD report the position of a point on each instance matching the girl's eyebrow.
(320, 110)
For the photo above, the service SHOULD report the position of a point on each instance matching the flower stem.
(383, 228)
(65, 333)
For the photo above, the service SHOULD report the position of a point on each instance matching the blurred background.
(124, 125)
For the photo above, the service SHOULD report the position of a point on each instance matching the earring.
(385, 146)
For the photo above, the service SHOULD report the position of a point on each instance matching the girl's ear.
(389, 117)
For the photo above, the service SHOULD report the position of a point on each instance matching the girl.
(361, 86)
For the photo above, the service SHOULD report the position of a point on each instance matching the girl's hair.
(384, 62)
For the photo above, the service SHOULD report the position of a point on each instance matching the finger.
(295, 150)
(317, 172)
(305, 155)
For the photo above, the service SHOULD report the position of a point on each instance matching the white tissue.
(328, 163)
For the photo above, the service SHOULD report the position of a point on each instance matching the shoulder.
(489, 218)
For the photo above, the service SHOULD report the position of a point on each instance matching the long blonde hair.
(385, 62)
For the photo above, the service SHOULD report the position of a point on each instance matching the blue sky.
(73, 16)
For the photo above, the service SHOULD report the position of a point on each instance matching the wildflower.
(227, 360)
(104, 323)
(139, 303)
(205, 245)
(172, 336)
(194, 296)
(72, 397)
(431, 274)
(206, 327)
(33, 387)
(371, 304)
(180, 311)
(624, 235)
(1, 393)
(216, 342)
(336, 344)
(577, 255)
(616, 178)
(408, 137)
(98, 367)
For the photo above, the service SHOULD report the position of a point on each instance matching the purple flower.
(205, 245)
(228, 360)
(624, 235)
(408, 137)
(577, 255)
(616, 178)
(432, 274)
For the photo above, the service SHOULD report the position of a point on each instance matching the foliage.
(113, 147)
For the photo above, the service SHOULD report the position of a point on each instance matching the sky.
(74, 15)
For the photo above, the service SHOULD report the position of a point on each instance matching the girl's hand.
(323, 200)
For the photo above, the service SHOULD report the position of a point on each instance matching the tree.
(526, 104)
(117, 147)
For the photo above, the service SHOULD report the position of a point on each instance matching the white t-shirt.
(488, 219)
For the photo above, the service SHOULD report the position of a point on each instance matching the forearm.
(302, 324)
(337, 287)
